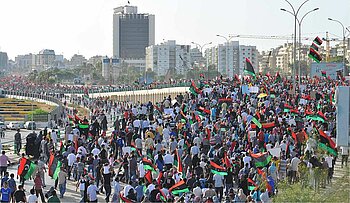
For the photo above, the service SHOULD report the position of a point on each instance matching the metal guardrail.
(123, 89)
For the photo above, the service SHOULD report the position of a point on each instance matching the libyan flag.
(264, 125)
(26, 168)
(180, 187)
(147, 164)
(249, 68)
(325, 139)
(256, 122)
(178, 162)
(319, 116)
(54, 166)
(261, 159)
(216, 169)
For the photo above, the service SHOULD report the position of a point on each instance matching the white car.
(2, 125)
(14, 125)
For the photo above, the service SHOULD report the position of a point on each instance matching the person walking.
(19, 195)
(92, 192)
(38, 185)
(18, 141)
(5, 193)
(3, 163)
(62, 181)
(32, 198)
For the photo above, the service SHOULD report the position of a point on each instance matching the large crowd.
(226, 140)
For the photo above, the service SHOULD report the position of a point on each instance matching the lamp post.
(344, 49)
(299, 43)
(201, 48)
(295, 14)
(227, 46)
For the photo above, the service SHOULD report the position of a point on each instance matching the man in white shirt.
(294, 167)
(95, 151)
(247, 159)
(71, 159)
(92, 192)
(195, 150)
(219, 185)
(344, 155)
(168, 160)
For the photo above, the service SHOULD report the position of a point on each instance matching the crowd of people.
(226, 140)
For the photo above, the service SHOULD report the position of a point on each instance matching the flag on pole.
(26, 168)
(249, 69)
(216, 169)
(261, 159)
(180, 187)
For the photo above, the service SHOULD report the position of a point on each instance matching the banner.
(253, 89)
(275, 152)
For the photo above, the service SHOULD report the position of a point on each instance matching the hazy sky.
(85, 26)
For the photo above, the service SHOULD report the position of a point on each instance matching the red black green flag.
(178, 162)
(147, 164)
(148, 176)
(26, 168)
(318, 41)
(180, 187)
(324, 73)
(261, 159)
(252, 185)
(264, 125)
(249, 69)
(325, 139)
(216, 169)
(314, 55)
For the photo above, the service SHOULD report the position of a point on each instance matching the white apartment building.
(251, 53)
(168, 55)
(110, 68)
(77, 60)
(217, 56)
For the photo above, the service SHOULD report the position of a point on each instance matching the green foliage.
(36, 112)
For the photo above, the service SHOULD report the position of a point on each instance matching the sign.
(275, 152)
(253, 89)
(330, 69)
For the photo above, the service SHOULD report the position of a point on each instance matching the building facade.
(4, 60)
(168, 56)
(132, 32)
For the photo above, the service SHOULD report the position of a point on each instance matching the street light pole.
(295, 14)
(201, 48)
(227, 46)
(344, 48)
(299, 43)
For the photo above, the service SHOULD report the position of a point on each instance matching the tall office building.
(132, 32)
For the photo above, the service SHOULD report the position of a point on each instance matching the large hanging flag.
(180, 187)
(249, 69)
(147, 164)
(216, 169)
(325, 139)
(26, 168)
(261, 159)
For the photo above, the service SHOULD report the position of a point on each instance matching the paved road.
(71, 194)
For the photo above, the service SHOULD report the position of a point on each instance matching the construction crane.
(268, 37)
(328, 40)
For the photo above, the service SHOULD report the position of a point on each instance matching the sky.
(86, 26)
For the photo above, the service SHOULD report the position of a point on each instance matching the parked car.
(30, 125)
(2, 125)
(14, 125)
